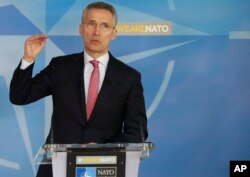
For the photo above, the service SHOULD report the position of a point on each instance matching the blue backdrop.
(195, 76)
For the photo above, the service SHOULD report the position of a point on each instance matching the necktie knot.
(94, 63)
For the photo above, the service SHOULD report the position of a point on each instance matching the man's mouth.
(95, 41)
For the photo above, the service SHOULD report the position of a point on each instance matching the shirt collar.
(102, 59)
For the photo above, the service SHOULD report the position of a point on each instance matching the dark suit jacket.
(112, 119)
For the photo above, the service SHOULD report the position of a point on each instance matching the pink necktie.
(93, 88)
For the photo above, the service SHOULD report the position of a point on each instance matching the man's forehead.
(99, 11)
(96, 14)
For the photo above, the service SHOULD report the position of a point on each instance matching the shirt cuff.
(25, 64)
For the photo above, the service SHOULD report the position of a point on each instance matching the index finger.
(38, 37)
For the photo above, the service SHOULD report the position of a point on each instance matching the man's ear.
(114, 35)
(81, 29)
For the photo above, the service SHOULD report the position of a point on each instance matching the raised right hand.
(33, 46)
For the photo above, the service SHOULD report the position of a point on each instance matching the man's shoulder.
(67, 58)
(120, 65)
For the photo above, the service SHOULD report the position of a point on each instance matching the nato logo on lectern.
(96, 172)
(85, 172)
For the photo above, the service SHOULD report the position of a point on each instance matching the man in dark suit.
(119, 112)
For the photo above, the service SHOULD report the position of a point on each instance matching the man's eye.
(91, 24)
(106, 26)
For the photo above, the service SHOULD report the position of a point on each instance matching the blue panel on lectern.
(85, 171)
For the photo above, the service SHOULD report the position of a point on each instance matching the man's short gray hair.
(101, 5)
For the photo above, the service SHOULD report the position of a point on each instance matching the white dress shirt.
(88, 68)
(25, 64)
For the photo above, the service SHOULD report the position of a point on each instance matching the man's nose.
(97, 30)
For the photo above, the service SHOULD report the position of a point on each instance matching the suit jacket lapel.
(106, 88)
(75, 70)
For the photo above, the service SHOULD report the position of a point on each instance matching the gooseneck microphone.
(52, 130)
(135, 112)
(50, 148)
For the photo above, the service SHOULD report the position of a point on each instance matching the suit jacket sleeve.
(135, 119)
(24, 89)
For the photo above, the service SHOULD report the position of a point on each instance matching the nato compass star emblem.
(26, 127)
